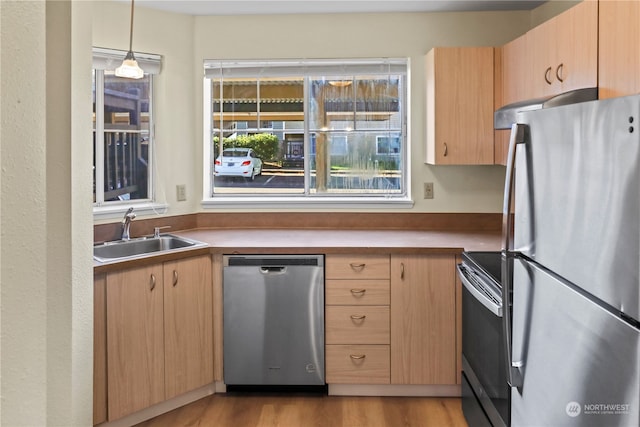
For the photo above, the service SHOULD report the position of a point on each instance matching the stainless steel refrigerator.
(571, 269)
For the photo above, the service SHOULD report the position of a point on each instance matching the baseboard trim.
(394, 390)
(162, 407)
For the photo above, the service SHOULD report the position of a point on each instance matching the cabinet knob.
(547, 75)
(559, 70)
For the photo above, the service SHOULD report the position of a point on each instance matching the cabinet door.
(135, 337)
(423, 320)
(188, 325)
(619, 49)
(577, 35)
(565, 51)
(99, 350)
(516, 71)
(543, 50)
(460, 105)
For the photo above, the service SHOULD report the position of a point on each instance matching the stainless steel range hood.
(504, 117)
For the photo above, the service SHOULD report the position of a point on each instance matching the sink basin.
(136, 248)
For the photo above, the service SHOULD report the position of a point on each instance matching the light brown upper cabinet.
(512, 83)
(460, 105)
(516, 71)
(564, 51)
(619, 48)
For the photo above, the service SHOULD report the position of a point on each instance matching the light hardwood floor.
(248, 410)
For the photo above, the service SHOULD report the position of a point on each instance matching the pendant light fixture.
(129, 68)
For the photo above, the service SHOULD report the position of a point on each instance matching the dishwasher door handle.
(273, 269)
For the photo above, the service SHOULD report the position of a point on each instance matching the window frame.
(305, 199)
(108, 60)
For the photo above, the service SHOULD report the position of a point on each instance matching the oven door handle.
(483, 299)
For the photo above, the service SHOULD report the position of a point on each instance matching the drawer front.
(358, 364)
(357, 292)
(357, 267)
(357, 324)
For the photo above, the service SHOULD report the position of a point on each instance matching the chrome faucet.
(126, 223)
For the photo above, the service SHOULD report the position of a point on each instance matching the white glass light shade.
(129, 68)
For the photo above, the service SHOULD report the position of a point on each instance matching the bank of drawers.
(357, 319)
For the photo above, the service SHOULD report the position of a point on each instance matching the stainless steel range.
(485, 392)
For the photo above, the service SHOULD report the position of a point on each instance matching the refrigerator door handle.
(514, 373)
(514, 369)
(516, 137)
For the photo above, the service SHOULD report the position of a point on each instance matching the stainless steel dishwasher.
(273, 320)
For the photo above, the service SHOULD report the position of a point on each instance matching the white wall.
(185, 41)
(46, 223)
(457, 189)
(177, 139)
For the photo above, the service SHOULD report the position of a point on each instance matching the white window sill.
(281, 203)
(118, 210)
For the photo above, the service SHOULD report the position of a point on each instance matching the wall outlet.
(181, 192)
(428, 190)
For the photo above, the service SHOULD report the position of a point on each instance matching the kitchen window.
(122, 133)
(325, 131)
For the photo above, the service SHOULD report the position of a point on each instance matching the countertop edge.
(304, 241)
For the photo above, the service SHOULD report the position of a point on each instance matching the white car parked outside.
(241, 162)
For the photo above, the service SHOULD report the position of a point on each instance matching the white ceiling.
(265, 7)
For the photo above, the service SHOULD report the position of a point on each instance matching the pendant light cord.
(131, 30)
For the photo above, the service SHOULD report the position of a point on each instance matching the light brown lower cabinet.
(423, 319)
(400, 331)
(99, 350)
(159, 333)
(135, 340)
(188, 325)
(357, 319)
(357, 364)
(357, 324)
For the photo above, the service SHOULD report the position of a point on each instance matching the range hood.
(504, 117)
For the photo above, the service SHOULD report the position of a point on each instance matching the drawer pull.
(357, 267)
(152, 283)
(357, 356)
(175, 278)
(358, 317)
(358, 292)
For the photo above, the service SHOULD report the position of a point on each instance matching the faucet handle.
(156, 231)
(128, 216)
